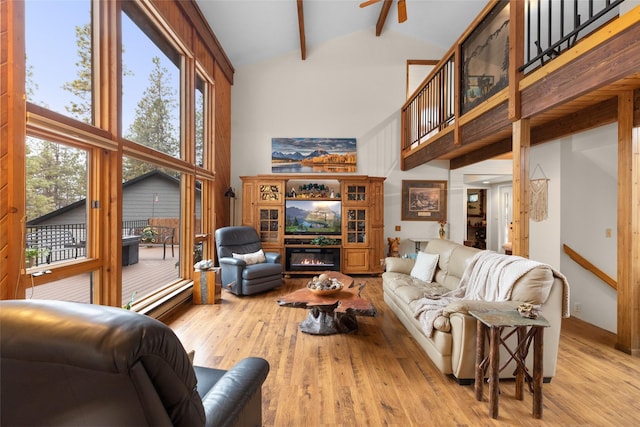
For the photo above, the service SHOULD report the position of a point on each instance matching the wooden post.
(516, 56)
(521, 146)
(628, 333)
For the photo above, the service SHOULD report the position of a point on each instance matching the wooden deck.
(150, 273)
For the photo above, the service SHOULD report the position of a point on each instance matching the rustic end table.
(499, 326)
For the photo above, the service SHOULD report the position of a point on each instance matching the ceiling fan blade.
(368, 3)
(402, 11)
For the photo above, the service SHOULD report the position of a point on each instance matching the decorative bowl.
(329, 287)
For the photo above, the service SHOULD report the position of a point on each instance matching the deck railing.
(78, 232)
(476, 67)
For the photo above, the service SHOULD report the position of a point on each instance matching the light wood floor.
(380, 376)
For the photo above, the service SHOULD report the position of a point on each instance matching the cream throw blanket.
(488, 276)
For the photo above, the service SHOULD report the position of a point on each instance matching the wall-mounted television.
(312, 217)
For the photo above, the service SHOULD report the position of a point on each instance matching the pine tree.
(81, 106)
(152, 126)
(56, 177)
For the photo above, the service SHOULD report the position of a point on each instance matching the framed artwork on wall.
(424, 200)
(313, 155)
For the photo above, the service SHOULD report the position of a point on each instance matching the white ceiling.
(253, 30)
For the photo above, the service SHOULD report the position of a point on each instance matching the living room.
(353, 87)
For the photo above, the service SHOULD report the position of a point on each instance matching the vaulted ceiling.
(254, 30)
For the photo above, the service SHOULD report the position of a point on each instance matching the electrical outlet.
(607, 232)
(577, 307)
(397, 228)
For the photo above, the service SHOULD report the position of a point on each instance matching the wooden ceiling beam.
(303, 42)
(384, 12)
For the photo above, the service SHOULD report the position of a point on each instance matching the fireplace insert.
(312, 259)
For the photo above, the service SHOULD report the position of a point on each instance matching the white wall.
(544, 242)
(589, 207)
(353, 86)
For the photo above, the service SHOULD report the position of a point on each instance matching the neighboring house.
(152, 195)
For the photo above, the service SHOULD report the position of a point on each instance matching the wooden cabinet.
(360, 240)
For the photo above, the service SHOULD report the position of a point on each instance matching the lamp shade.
(230, 193)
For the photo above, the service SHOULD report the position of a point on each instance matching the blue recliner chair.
(238, 249)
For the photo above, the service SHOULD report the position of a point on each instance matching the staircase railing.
(584, 263)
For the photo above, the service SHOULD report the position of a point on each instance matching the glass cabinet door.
(356, 226)
(269, 229)
(356, 192)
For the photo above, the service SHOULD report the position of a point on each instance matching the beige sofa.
(452, 346)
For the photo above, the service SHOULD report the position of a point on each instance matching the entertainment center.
(317, 223)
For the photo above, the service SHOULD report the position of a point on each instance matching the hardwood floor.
(380, 376)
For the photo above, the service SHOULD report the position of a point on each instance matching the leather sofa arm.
(272, 257)
(231, 401)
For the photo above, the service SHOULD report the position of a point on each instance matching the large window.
(59, 56)
(199, 120)
(150, 230)
(150, 88)
(56, 202)
(109, 179)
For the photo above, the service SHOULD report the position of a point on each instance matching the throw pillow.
(252, 258)
(425, 266)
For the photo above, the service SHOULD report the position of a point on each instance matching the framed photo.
(424, 200)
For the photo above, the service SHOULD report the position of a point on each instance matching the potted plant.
(31, 256)
(149, 235)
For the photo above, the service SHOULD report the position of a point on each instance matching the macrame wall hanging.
(538, 190)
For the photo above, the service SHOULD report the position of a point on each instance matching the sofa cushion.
(409, 289)
(534, 287)
(425, 266)
(251, 258)
(399, 265)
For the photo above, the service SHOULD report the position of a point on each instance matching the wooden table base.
(325, 321)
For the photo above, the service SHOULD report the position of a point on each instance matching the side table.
(499, 326)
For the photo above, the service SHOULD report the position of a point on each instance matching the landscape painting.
(313, 155)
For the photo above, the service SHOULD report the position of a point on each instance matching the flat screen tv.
(312, 217)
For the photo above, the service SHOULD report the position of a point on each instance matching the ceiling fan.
(402, 8)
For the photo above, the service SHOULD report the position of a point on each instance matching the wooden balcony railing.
(432, 106)
(477, 67)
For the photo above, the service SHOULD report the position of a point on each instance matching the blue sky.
(52, 54)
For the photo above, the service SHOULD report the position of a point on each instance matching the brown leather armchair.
(66, 363)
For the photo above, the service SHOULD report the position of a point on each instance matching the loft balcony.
(558, 63)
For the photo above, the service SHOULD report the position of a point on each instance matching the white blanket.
(488, 276)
